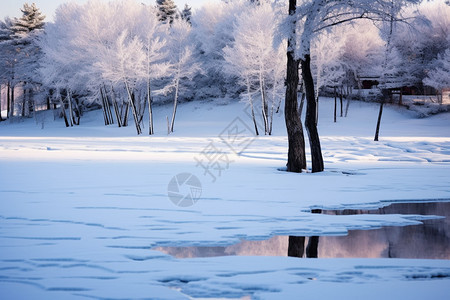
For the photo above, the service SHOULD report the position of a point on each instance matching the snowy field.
(82, 208)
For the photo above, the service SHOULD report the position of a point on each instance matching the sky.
(12, 8)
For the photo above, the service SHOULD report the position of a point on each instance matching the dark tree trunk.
(8, 100)
(341, 99)
(335, 104)
(12, 101)
(1, 117)
(296, 152)
(310, 121)
(296, 246)
(380, 113)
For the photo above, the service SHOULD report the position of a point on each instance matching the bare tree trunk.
(310, 121)
(250, 100)
(63, 111)
(116, 108)
(125, 113)
(341, 100)
(380, 113)
(70, 108)
(24, 102)
(108, 106)
(264, 104)
(105, 115)
(12, 101)
(335, 104)
(296, 246)
(150, 111)
(133, 109)
(175, 104)
(1, 117)
(296, 140)
(76, 113)
(8, 100)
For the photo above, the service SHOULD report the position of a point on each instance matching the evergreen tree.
(25, 33)
(187, 13)
(167, 10)
(32, 19)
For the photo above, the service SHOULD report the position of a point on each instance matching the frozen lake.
(83, 209)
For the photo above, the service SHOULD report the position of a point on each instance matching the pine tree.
(25, 32)
(187, 13)
(32, 19)
(167, 10)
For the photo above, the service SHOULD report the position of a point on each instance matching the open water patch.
(428, 240)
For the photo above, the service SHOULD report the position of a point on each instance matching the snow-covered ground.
(81, 208)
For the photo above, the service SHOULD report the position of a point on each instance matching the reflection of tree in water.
(297, 244)
(429, 240)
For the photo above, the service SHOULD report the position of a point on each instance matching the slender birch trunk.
(133, 108)
(250, 100)
(116, 108)
(63, 111)
(175, 103)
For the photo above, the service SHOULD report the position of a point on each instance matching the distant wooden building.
(445, 96)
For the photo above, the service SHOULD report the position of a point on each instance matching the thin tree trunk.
(175, 104)
(133, 109)
(296, 140)
(105, 116)
(63, 111)
(116, 108)
(250, 100)
(108, 106)
(8, 100)
(335, 104)
(341, 101)
(1, 116)
(76, 114)
(150, 111)
(264, 105)
(125, 113)
(12, 101)
(310, 121)
(70, 108)
(296, 247)
(380, 113)
(24, 102)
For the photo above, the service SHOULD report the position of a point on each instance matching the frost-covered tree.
(363, 50)
(423, 40)
(183, 65)
(107, 62)
(25, 32)
(7, 64)
(439, 76)
(31, 19)
(253, 59)
(167, 10)
(186, 14)
(306, 21)
(213, 28)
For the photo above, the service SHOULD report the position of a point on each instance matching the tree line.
(123, 56)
